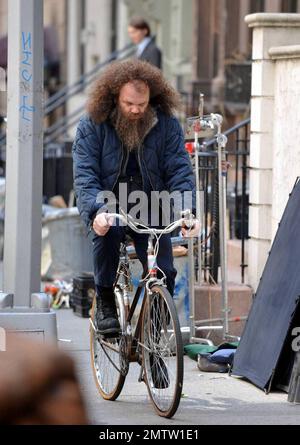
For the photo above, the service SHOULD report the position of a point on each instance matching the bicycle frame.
(130, 308)
(153, 339)
(146, 282)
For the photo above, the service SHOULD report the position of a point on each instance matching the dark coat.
(98, 155)
(152, 54)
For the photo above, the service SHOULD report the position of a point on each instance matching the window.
(257, 6)
(289, 6)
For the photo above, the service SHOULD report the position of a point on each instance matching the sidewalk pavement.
(209, 398)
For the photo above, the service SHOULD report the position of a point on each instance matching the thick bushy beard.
(132, 131)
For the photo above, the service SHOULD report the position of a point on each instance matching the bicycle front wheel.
(107, 356)
(162, 351)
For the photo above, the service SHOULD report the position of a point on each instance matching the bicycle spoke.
(109, 358)
(107, 363)
(158, 333)
(162, 352)
(109, 346)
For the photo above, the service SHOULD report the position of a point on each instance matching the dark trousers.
(106, 251)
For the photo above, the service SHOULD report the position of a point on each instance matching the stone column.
(203, 51)
(269, 30)
(98, 32)
(122, 20)
(286, 159)
(218, 82)
(74, 44)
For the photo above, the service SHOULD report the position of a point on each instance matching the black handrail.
(62, 125)
(238, 199)
(230, 131)
(66, 92)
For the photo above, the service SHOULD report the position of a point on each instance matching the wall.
(55, 15)
(286, 130)
(274, 156)
(3, 17)
(98, 32)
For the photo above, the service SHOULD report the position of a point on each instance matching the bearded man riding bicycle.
(130, 137)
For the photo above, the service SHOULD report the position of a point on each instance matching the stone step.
(234, 254)
(208, 305)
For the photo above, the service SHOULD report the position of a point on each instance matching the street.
(208, 398)
(170, 106)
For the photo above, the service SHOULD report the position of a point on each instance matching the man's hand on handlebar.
(102, 223)
(190, 226)
(192, 231)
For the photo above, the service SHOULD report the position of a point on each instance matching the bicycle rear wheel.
(162, 351)
(107, 357)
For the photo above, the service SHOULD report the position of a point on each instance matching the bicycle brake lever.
(188, 227)
(189, 222)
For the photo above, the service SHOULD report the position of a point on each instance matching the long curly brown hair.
(104, 92)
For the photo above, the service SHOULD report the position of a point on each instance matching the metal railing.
(238, 150)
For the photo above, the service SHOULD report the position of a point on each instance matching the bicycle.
(155, 342)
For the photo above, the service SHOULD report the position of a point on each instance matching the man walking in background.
(140, 34)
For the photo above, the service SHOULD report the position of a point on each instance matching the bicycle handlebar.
(187, 220)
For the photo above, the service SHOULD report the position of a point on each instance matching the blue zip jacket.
(97, 159)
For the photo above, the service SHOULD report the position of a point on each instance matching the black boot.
(106, 312)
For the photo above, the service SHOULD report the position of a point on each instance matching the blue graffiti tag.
(26, 43)
(26, 75)
(26, 108)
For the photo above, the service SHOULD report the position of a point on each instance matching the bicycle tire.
(163, 351)
(108, 379)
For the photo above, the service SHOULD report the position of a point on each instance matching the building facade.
(206, 44)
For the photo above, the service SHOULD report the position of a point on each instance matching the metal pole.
(191, 287)
(222, 172)
(191, 241)
(199, 206)
(22, 248)
(24, 171)
(199, 214)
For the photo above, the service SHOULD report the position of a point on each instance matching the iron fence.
(238, 150)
